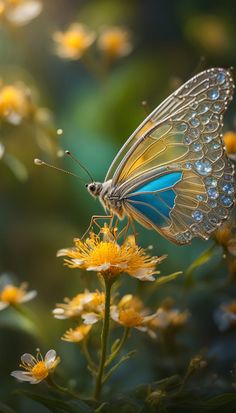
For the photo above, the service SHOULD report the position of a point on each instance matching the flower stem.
(88, 355)
(51, 382)
(104, 338)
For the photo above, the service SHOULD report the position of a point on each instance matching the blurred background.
(96, 102)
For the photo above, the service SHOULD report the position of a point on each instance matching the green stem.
(62, 389)
(88, 356)
(119, 347)
(104, 338)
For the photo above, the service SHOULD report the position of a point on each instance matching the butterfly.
(172, 174)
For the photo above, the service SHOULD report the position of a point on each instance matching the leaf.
(115, 367)
(115, 345)
(198, 262)
(167, 278)
(17, 167)
(60, 406)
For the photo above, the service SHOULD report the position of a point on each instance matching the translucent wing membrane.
(173, 174)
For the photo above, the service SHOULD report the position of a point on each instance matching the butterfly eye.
(92, 187)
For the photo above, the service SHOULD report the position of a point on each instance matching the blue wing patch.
(155, 199)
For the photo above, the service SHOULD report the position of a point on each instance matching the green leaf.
(59, 406)
(121, 361)
(198, 262)
(115, 345)
(167, 278)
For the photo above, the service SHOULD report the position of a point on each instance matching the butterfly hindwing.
(181, 138)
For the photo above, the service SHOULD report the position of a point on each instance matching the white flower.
(36, 368)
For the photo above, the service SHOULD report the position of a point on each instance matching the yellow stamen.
(11, 294)
(39, 371)
(130, 318)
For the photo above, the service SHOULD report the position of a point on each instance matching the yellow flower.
(14, 103)
(74, 42)
(114, 42)
(130, 313)
(88, 305)
(77, 334)
(107, 257)
(225, 236)
(36, 368)
(165, 318)
(11, 295)
(230, 144)
(21, 12)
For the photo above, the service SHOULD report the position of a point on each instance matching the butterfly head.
(94, 188)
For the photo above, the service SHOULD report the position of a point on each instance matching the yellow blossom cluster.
(105, 256)
(15, 102)
(112, 42)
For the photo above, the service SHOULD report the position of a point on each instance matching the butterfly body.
(172, 175)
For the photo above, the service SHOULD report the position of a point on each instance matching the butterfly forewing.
(180, 143)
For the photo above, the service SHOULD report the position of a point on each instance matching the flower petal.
(50, 358)
(22, 375)
(28, 296)
(28, 359)
(3, 305)
(98, 268)
(90, 318)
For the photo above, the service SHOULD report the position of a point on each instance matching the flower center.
(10, 98)
(11, 294)
(104, 253)
(40, 371)
(130, 318)
(75, 40)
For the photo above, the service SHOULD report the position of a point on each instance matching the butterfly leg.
(94, 221)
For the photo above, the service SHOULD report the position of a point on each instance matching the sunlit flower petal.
(77, 334)
(21, 12)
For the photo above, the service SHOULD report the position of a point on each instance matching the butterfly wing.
(172, 174)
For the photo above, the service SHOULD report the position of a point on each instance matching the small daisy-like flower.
(230, 144)
(15, 104)
(74, 42)
(225, 316)
(75, 335)
(130, 313)
(36, 369)
(226, 237)
(11, 295)
(165, 318)
(88, 305)
(114, 42)
(21, 12)
(109, 258)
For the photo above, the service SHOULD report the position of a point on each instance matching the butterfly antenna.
(39, 162)
(68, 153)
